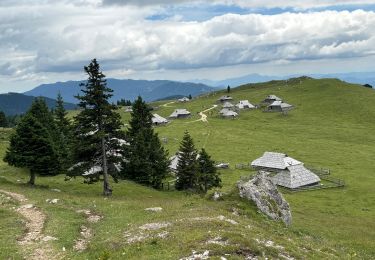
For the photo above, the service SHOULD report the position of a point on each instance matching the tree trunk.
(107, 191)
(32, 178)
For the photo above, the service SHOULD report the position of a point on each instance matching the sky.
(45, 41)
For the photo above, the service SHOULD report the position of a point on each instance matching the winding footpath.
(34, 244)
(166, 104)
(203, 115)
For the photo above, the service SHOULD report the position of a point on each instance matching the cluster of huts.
(271, 103)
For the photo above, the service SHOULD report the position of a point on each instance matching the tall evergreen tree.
(62, 122)
(97, 128)
(32, 146)
(228, 89)
(147, 160)
(187, 167)
(64, 128)
(208, 175)
(3, 120)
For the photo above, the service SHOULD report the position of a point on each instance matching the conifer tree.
(228, 89)
(187, 167)
(97, 128)
(3, 120)
(32, 147)
(208, 175)
(147, 160)
(63, 125)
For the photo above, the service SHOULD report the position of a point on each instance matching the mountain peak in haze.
(125, 89)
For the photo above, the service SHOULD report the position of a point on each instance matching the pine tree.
(32, 147)
(63, 125)
(190, 97)
(147, 161)
(187, 167)
(228, 89)
(208, 175)
(97, 128)
(3, 120)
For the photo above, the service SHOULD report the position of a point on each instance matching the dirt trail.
(203, 115)
(86, 233)
(34, 244)
(166, 104)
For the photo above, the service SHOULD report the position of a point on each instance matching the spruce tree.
(32, 147)
(147, 160)
(208, 175)
(187, 167)
(3, 120)
(63, 125)
(97, 128)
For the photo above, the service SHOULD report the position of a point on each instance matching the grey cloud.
(62, 38)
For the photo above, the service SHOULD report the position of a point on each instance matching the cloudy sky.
(43, 41)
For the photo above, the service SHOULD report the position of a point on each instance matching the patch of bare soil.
(86, 232)
(34, 243)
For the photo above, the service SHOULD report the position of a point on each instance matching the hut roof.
(184, 99)
(228, 105)
(225, 98)
(273, 97)
(229, 113)
(174, 162)
(275, 161)
(295, 176)
(244, 104)
(178, 112)
(280, 104)
(156, 119)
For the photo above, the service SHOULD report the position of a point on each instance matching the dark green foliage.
(97, 128)
(12, 121)
(367, 86)
(32, 147)
(3, 120)
(190, 97)
(208, 175)
(187, 167)
(124, 102)
(63, 125)
(228, 89)
(147, 161)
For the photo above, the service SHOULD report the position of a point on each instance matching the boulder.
(264, 193)
(217, 196)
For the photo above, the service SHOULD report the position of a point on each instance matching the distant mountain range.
(354, 77)
(16, 103)
(125, 89)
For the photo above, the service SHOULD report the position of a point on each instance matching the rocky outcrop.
(265, 195)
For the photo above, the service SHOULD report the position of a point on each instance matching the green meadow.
(332, 126)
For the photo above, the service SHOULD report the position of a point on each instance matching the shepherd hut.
(271, 98)
(225, 98)
(180, 113)
(245, 104)
(285, 171)
(279, 106)
(159, 120)
(228, 105)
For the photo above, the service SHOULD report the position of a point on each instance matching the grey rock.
(266, 196)
(217, 196)
(155, 209)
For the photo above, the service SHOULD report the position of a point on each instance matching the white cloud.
(48, 38)
(298, 4)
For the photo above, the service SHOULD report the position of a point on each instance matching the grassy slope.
(331, 127)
